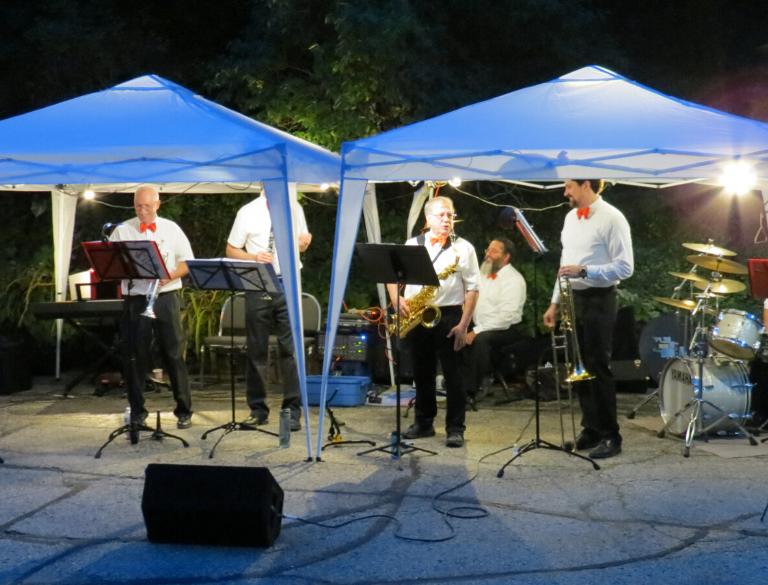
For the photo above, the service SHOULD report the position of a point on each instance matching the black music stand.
(128, 261)
(397, 264)
(233, 276)
(538, 247)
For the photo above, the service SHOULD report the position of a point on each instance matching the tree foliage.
(332, 71)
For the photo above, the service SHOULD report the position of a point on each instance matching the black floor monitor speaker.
(205, 504)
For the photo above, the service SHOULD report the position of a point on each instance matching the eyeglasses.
(494, 251)
(443, 215)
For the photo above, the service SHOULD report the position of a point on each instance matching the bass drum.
(662, 339)
(726, 385)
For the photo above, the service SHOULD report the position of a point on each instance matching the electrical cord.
(465, 512)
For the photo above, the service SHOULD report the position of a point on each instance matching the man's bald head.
(146, 202)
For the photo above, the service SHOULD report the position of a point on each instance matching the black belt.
(451, 308)
(594, 291)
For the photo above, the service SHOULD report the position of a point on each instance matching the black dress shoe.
(416, 431)
(455, 439)
(260, 417)
(184, 422)
(295, 424)
(586, 440)
(607, 448)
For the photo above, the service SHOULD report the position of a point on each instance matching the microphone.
(107, 230)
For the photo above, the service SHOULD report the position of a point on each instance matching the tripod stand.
(233, 275)
(334, 432)
(129, 261)
(538, 442)
(397, 264)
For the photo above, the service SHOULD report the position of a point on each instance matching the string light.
(455, 182)
(89, 194)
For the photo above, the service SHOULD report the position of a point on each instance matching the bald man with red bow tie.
(597, 255)
(456, 298)
(137, 330)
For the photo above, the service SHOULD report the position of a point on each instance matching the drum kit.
(703, 380)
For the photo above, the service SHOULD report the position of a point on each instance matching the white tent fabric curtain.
(419, 199)
(63, 208)
(373, 232)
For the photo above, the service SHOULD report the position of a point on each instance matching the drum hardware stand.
(334, 432)
(233, 276)
(698, 348)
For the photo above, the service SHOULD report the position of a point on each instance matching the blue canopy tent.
(152, 131)
(591, 123)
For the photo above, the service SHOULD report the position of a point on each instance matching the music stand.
(128, 261)
(538, 247)
(397, 264)
(233, 276)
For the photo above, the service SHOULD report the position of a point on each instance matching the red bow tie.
(492, 275)
(144, 227)
(583, 213)
(440, 239)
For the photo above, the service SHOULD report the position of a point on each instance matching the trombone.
(567, 341)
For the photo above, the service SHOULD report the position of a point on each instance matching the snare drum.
(737, 334)
(726, 385)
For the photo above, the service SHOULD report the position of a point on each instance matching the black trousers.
(479, 355)
(262, 317)
(595, 320)
(427, 346)
(137, 334)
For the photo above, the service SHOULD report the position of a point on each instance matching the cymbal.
(709, 249)
(718, 264)
(679, 303)
(689, 276)
(687, 304)
(724, 286)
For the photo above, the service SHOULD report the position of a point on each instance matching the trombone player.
(597, 255)
(137, 328)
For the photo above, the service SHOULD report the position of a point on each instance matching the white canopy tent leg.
(350, 207)
(281, 196)
(64, 208)
(373, 231)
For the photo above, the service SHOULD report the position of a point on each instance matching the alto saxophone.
(422, 311)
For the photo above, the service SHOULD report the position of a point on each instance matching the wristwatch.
(583, 272)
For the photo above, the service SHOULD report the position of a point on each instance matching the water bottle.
(515, 450)
(393, 449)
(127, 415)
(285, 428)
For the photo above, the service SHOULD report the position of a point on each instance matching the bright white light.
(455, 182)
(88, 194)
(324, 186)
(738, 178)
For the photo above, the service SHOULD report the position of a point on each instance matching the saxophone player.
(456, 299)
(597, 255)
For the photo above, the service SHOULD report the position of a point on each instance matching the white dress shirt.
(465, 277)
(253, 226)
(602, 242)
(173, 244)
(501, 299)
